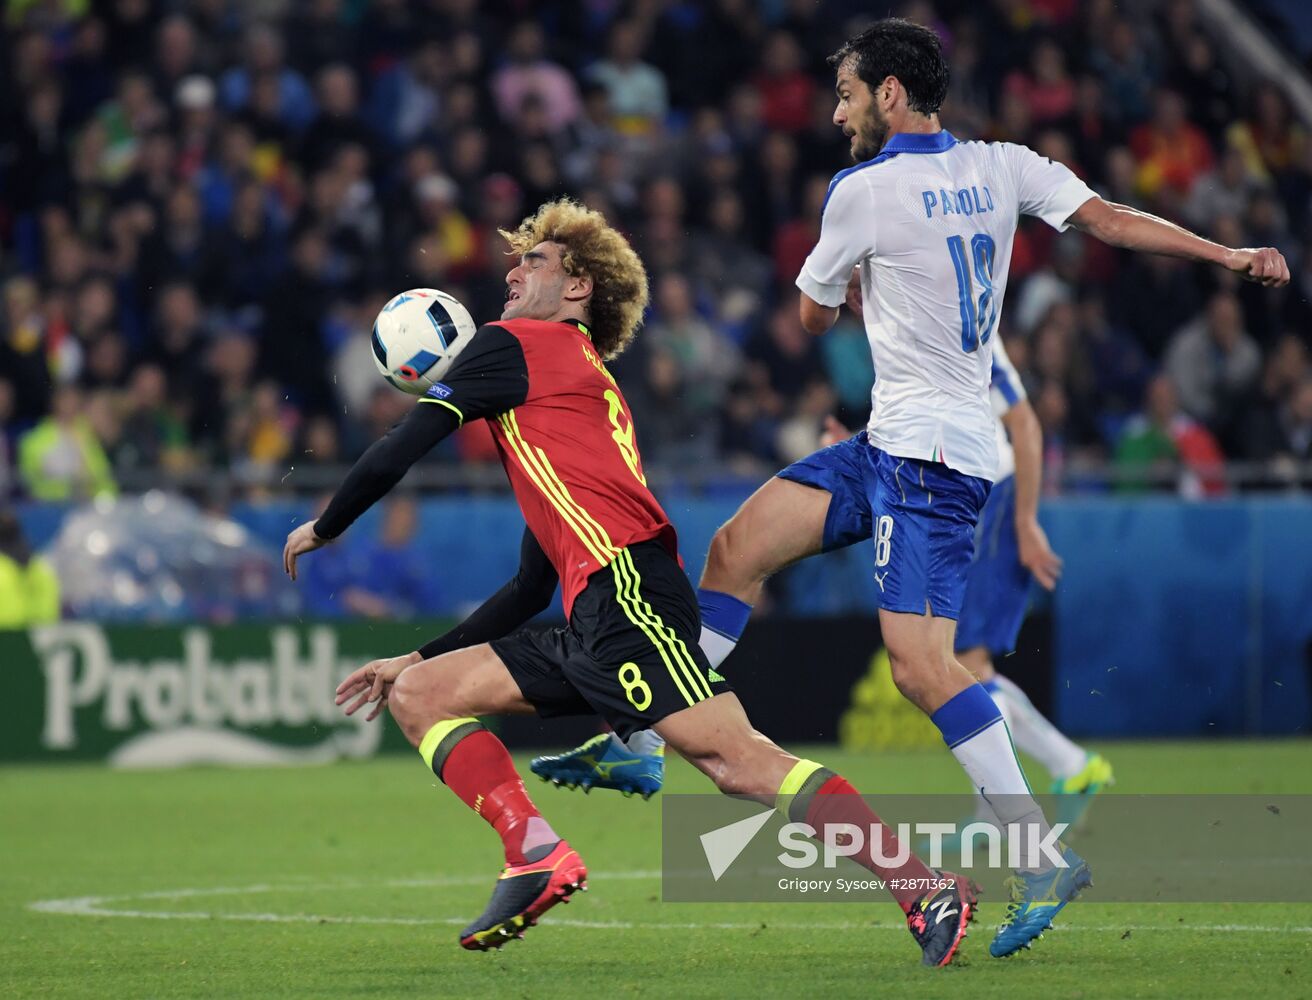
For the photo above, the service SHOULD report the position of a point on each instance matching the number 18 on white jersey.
(931, 221)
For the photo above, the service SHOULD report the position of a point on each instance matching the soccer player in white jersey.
(929, 222)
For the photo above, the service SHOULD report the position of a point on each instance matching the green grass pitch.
(353, 880)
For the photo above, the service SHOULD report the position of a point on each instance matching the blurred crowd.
(203, 204)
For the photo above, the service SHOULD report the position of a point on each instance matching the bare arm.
(1026, 435)
(1123, 226)
(817, 319)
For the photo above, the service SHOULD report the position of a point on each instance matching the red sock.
(838, 802)
(480, 771)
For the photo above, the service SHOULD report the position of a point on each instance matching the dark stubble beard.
(871, 135)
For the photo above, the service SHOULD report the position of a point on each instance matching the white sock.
(644, 741)
(1035, 734)
(717, 647)
(990, 761)
(983, 811)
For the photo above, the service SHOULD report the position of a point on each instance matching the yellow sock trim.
(793, 782)
(434, 737)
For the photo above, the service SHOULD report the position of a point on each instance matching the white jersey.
(930, 221)
(1005, 391)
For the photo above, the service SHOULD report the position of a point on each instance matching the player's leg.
(717, 738)
(993, 602)
(927, 674)
(924, 524)
(436, 703)
(781, 523)
(643, 669)
(814, 505)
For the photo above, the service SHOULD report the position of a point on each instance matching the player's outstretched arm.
(490, 376)
(374, 473)
(1123, 226)
(1026, 435)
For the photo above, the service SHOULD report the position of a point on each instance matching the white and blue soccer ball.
(417, 337)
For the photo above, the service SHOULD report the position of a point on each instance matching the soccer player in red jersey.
(630, 649)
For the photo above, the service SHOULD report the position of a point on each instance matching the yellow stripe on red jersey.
(571, 457)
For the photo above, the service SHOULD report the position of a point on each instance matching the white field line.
(103, 906)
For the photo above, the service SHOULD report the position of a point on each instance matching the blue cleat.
(1035, 899)
(604, 762)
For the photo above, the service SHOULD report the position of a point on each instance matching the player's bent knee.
(402, 702)
(914, 675)
(414, 704)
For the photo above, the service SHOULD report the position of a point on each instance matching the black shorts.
(630, 652)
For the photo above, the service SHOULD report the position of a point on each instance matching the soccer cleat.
(603, 762)
(1035, 899)
(522, 894)
(1075, 794)
(939, 919)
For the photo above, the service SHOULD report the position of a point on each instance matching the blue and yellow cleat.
(1035, 899)
(1075, 794)
(604, 762)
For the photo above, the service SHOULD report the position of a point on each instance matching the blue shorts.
(920, 515)
(997, 586)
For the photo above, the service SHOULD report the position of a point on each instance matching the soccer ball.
(418, 336)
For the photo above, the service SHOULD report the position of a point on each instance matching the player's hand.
(299, 542)
(833, 432)
(1036, 554)
(1265, 265)
(372, 683)
(853, 300)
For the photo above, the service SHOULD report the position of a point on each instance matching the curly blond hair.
(591, 248)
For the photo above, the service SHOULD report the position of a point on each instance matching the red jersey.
(571, 458)
(564, 433)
